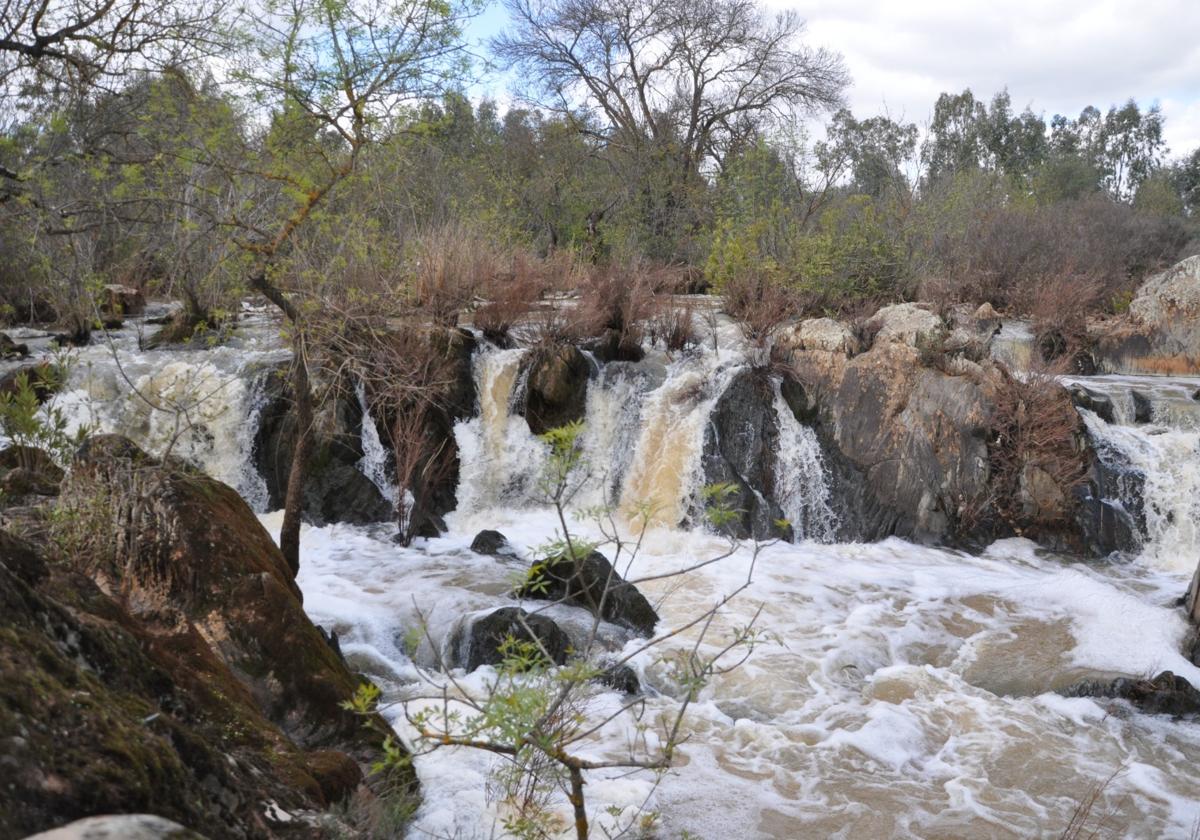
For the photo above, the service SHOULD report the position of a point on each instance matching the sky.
(1055, 56)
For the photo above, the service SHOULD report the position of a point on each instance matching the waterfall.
(1156, 463)
(801, 483)
(374, 462)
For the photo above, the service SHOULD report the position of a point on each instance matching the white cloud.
(1057, 56)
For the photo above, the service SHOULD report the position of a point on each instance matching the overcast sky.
(1057, 56)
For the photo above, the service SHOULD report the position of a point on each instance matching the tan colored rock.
(904, 323)
(824, 334)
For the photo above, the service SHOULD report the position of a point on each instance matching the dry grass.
(674, 324)
(760, 306)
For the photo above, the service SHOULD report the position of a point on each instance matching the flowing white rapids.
(1156, 461)
(908, 691)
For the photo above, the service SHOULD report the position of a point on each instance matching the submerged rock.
(9, 349)
(593, 584)
(621, 678)
(493, 544)
(1100, 404)
(488, 635)
(1165, 694)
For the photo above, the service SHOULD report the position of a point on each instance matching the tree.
(1185, 175)
(1125, 145)
(335, 76)
(877, 149)
(670, 87)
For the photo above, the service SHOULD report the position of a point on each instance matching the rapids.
(908, 691)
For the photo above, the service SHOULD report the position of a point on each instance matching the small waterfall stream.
(1152, 450)
(913, 691)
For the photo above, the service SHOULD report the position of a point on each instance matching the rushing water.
(909, 691)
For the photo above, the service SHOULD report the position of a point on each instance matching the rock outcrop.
(163, 662)
(921, 430)
(336, 490)
(554, 387)
(1161, 331)
(740, 443)
(493, 544)
(592, 583)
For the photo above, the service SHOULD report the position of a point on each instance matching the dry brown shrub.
(1034, 427)
(617, 298)
(449, 265)
(760, 306)
(673, 324)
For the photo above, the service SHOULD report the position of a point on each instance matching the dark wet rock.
(615, 346)
(1100, 404)
(120, 827)
(331, 638)
(740, 446)
(1165, 694)
(1143, 411)
(26, 471)
(493, 544)
(621, 678)
(554, 387)
(487, 636)
(335, 490)
(593, 584)
(41, 376)
(9, 349)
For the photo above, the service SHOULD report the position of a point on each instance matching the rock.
(1041, 498)
(1165, 694)
(1143, 411)
(904, 323)
(336, 773)
(740, 443)
(123, 707)
(120, 827)
(1161, 332)
(488, 634)
(493, 544)
(118, 300)
(555, 387)
(335, 490)
(203, 562)
(615, 346)
(593, 584)
(9, 349)
(26, 470)
(1097, 403)
(43, 377)
(823, 334)
(621, 678)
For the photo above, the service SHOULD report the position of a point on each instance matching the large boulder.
(821, 334)
(28, 471)
(924, 442)
(484, 642)
(493, 544)
(336, 490)
(117, 301)
(9, 349)
(186, 555)
(554, 391)
(905, 323)
(592, 583)
(1161, 331)
(740, 445)
(123, 704)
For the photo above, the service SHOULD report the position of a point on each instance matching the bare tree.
(687, 74)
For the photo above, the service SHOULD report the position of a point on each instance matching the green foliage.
(25, 421)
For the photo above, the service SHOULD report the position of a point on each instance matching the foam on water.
(910, 694)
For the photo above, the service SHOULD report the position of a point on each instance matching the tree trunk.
(581, 820)
(293, 505)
